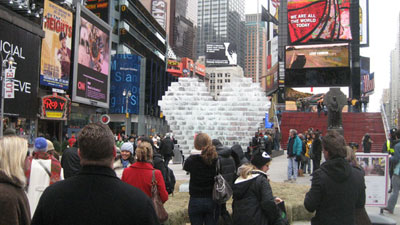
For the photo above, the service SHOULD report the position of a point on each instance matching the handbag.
(162, 214)
(222, 192)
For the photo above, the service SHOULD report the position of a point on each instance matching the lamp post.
(4, 62)
(127, 95)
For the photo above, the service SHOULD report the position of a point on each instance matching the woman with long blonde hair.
(201, 165)
(14, 205)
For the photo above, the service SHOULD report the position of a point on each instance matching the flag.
(367, 83)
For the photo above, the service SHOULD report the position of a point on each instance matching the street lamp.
(127, 95)
(4, 62)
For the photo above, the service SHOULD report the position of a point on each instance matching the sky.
(383, 30)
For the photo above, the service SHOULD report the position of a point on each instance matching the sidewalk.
(278, 173)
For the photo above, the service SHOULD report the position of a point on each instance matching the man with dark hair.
(95, 195)
(64, 56)
(337, 188)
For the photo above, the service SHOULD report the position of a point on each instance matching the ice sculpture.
(233, 117)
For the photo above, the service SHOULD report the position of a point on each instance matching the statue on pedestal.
(335, 100)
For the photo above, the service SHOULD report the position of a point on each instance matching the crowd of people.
(94, 184)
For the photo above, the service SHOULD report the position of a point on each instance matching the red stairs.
(355, 126)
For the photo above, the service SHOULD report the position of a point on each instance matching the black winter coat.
(70, 162)
(316, 147)
(238, 155)
(167, 147)
(94, 196)
(158, 163)
(337, 189)
(253, 202)
(227, 164)
(201, 181)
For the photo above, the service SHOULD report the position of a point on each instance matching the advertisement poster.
(274, 11)
(159, 12)
(364, 23)
(375, 166)
(125, 75)
(221, 54)
(317, 56)
(24, 47)
(316, 19)
(91, 83)
(55, 66)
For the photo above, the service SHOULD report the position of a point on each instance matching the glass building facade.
(221, 21)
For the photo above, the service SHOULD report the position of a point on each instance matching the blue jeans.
(307, 165)
(292, 168)
(203, 211)
(395, 192)
(276, 145)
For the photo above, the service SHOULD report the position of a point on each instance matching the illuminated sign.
(55, 107)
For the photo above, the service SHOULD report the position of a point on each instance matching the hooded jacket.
(14, 205)
(253, 202)
(227, 164)
(337, 189)
(238, 155)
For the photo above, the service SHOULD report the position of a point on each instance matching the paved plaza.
(278, 173)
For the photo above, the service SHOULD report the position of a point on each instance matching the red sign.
(55, 107)
(315, 19)
(200, 69)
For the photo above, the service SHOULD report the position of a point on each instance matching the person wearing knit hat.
(125, 159)
(51, 150)
(250, 188)
(42, 170)
(40, 144)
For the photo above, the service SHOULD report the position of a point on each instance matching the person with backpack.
(253, 201)
(201, 165)
(167, 149)
(228, 171)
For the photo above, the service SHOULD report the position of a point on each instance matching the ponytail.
(208, 154)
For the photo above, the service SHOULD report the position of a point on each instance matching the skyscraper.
(221, 21)
(251, 47)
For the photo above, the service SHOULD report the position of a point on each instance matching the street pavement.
(278, 173)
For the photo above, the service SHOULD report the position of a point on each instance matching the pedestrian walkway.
(278, 173)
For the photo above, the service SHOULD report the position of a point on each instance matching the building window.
(219, 75)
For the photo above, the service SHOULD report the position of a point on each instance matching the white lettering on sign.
(22, 86)
(11, 49)
(303, 20)
(159, 11)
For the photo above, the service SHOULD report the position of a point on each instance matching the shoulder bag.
(155, 198)
(222, 192)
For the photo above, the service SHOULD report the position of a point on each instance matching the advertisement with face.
(221, 54)
(316, 19)
(24, 47)
(317, 56)
(125, 75)
(55, 66)
(93, 60)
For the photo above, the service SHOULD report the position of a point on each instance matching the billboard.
(100, 8)
(367, 78)
(316, 19)
(159, 12)
(364, 23)
(125, 75)
(271, 83)
(24, 47)
(55, 66)
(92, 60)
(221, 54)
(317, 56)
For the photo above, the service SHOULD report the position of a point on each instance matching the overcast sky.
(383, 30)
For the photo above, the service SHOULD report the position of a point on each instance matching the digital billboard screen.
(317, 56)
(92, 67)
(55, 66)
(100, 8)
(221, 54)
(125, 75)
(316, 19)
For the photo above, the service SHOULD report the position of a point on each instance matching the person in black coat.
(316, 148)
(253, 201)
(367, 143)
(167, 149)
(337, 188)
(228, 171)
(238, 155)
(95, 195)
(70, 161)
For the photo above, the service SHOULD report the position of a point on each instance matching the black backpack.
(170, 182)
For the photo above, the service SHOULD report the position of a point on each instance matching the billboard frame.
(366, 44)
(75, 98)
